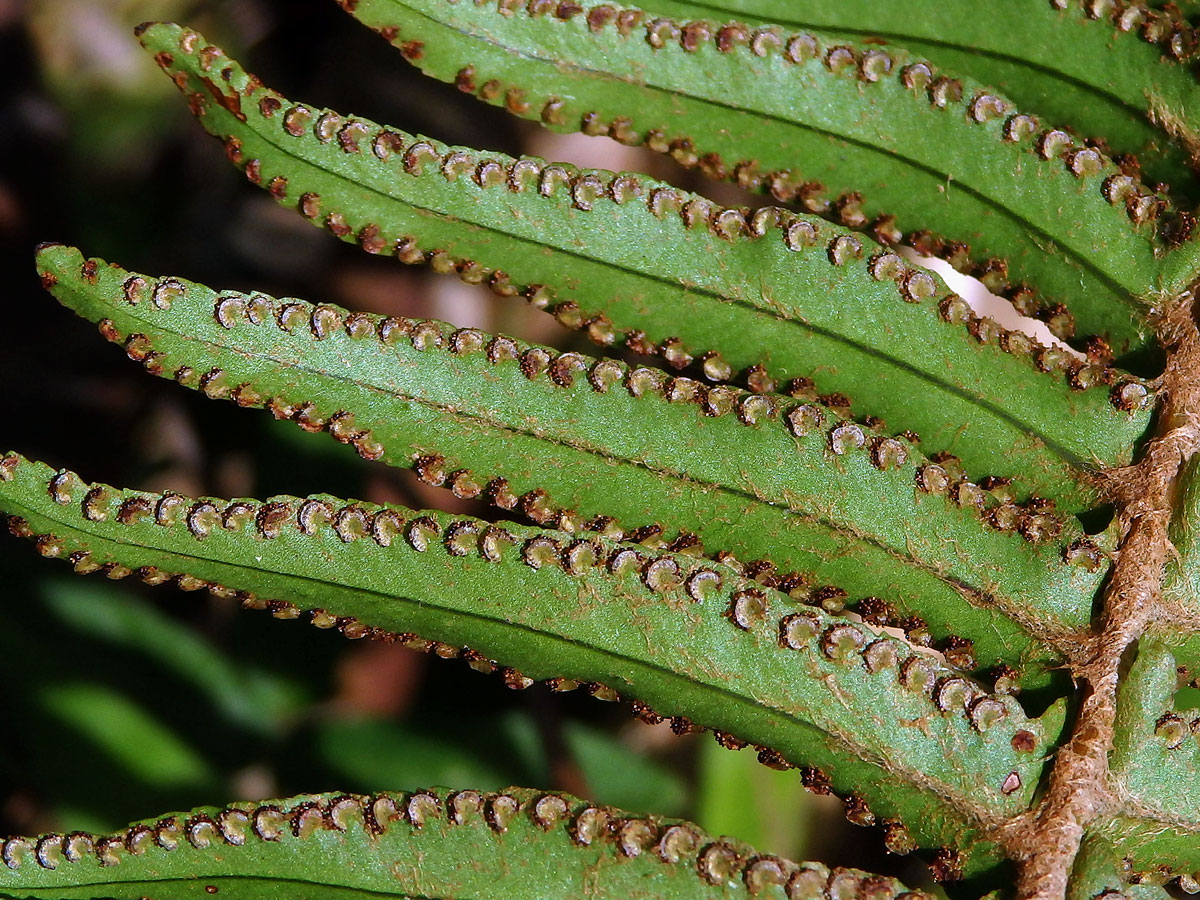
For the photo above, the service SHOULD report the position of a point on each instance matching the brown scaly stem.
(1046, 841)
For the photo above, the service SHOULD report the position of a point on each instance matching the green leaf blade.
(515, 843)
(762, 477)
(1068, 66)
(653, 275)
(1155, 766)
(1099, 868)
(943, 160)
(919, 743)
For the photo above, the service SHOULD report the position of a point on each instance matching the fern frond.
(919, 744)
(1114, 73)
(856, 130)
(673, 268)
(860, 514)
(509, 845)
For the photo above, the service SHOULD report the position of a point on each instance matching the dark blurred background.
(120, 702)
